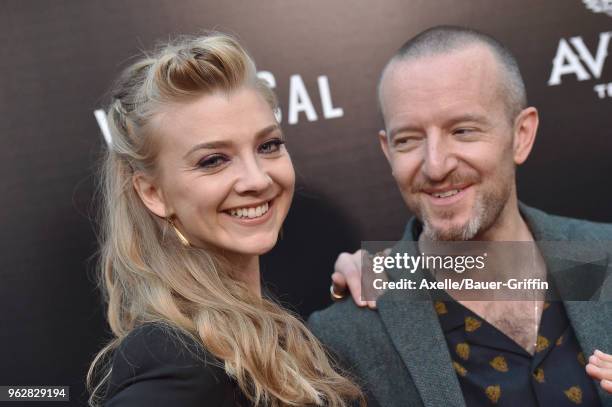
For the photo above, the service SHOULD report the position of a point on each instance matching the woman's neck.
(246, 269)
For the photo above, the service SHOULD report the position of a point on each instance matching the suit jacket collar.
(579, 268)
(414, 329)
(412, 325)
(589, 319)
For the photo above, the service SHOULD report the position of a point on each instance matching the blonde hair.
(147, 275)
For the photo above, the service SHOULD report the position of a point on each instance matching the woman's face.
(223, 172)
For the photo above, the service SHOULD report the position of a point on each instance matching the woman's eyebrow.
(211, 145)
(266, 130)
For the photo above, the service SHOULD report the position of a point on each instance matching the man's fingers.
(594, 371)
(599, 362)
(603, 375)
(603, 356)
(607, 385)
(598, 369)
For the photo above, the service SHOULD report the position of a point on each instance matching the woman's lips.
(241, 215)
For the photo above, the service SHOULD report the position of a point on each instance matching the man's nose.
(439, 159)
(253, 177)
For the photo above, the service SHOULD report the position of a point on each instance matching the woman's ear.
(150, 194)
(525, 129)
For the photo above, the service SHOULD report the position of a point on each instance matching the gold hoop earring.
(180, 236)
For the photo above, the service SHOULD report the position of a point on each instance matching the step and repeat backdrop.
(323, 58)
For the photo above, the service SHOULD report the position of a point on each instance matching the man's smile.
(448, 195)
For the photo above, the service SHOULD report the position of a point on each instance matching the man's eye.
(212, 161)
(271, 146)
(462, 131)
(401, 142)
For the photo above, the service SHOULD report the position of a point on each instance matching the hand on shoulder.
(600, 369)
(347, 277)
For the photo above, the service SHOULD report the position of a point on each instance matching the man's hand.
(600, 368)
(347, 276)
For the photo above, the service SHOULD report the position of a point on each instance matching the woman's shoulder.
(156, 364)
(154, 343)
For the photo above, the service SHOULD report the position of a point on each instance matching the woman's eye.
(271, 146)
(212, 161)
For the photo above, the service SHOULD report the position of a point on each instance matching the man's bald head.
(446, 39)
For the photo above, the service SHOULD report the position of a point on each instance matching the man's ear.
(150, 194)
(525, 129)
(384, 144)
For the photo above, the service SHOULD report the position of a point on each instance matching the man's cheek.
(406, 187)
(403, 170)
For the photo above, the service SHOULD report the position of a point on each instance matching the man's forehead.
(474, 61)
(467, 75)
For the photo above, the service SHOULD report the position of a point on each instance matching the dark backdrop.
(59, 57)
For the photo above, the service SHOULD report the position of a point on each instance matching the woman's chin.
(253, 246)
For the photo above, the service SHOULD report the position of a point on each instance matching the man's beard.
(486, 211)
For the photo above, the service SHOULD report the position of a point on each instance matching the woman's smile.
(251, 214)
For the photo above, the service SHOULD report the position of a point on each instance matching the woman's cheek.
(289, 175)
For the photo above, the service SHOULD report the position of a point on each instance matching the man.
(457, 124)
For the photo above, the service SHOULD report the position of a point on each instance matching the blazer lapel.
(591, 323)
(416, 334)
(580, 269)
(590, 317)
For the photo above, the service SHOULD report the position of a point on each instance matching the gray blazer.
(399, 351)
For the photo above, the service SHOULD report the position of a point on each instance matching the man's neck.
(509, 227)
(519, 320)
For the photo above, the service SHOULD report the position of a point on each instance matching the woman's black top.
(152, 367)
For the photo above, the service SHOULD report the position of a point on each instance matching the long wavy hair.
(147, 275)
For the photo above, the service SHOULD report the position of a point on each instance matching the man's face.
(449, 141)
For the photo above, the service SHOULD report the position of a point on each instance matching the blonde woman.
(195, 186)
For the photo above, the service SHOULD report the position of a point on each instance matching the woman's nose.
(253, 177)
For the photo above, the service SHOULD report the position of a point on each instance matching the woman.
(196, 185)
